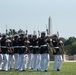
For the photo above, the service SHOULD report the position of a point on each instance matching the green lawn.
(68, 68)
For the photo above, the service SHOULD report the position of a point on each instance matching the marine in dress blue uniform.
(16, 51)
(4, 52)
(22, 53)
(44, 52)
(57, 45)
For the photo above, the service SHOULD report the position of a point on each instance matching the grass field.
(68, 68)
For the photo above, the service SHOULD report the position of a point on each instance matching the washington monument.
(50, 26)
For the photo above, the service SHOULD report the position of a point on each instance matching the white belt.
(21, 46)
(3, 47)
(56, 47)
(30, 46)
(43, 45)
(16, 46)
(35, 46)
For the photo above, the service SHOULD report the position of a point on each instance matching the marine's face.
(30, 36)
(42, 35)
(34, 38)
(54, 37)
(21, 36)
(4, 36)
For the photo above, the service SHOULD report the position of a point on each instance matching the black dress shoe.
(45, 70)
(37, 69)
(58, 69)
(23, 70)
(16, 69)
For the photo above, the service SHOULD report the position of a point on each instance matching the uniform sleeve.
(51, 40)
(39, 42)
(61, 43)
(48, 41)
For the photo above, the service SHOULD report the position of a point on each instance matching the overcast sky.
(34, 14)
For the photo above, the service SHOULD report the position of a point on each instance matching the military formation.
(32, 52)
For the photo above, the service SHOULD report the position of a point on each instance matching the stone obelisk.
(50, 26)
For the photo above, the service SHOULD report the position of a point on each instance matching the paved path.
(70, 61)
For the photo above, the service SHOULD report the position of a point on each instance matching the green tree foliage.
(63, 39)
(73, 47)
(70, 40)
(70, 46)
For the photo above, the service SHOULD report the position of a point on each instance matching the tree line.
(69, 45)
